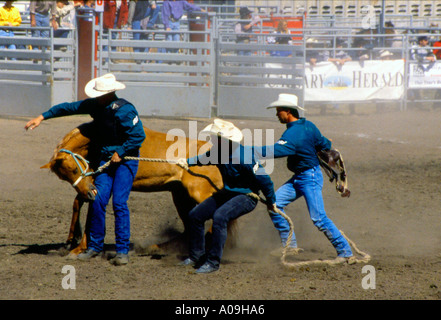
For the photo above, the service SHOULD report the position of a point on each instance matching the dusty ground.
(393, 162)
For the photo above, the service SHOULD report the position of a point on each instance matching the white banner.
(382, 80)
(425, 75)
(99, 6)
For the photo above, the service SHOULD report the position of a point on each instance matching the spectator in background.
(88, 4)
(362, 53)
(244, 29)
(315, 56)
(425, 58)
(65, 17)
(282, 29)
(423, 54)
(116, 14)
(43, 15)
(437, 52)
(385, 55)
(172, 12)
(138, 11)
(9, 17)
(340, 56)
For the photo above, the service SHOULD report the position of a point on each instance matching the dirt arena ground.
(393, 162)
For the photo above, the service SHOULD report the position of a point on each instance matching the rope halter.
(78, 160)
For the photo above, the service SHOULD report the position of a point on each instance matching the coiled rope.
(364, 257)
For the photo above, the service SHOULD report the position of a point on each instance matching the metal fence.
(34, 71)
(204, 74)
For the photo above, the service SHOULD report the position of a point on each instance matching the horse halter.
(78, 158)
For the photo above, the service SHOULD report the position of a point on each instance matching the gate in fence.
(204, 74)
(36, 72)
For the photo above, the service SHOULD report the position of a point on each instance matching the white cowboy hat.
(385, 53)
(103, 85)
(224, 129)
(311, 40)
(286, 100)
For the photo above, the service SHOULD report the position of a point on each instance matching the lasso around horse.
(291, 265)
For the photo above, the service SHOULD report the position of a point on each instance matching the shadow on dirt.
(44, 249)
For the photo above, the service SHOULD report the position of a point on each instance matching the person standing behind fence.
(116, 15)
(244, 29)
(282, 29)
(43, 15)
(138, 11)
(423, 54)
(9, 17)
(340, 56)
(65, 18)
(172, 11)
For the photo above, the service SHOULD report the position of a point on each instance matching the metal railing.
(202, 72)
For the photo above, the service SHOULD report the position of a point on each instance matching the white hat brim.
(284, 104)
(236, 135)
(92, 93)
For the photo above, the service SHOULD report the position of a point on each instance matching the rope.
(291, 265)
(294, 265)
(107, 164)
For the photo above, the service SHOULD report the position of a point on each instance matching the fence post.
(85, 49)
(214, 64)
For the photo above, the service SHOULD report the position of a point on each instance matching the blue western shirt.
(300, 143)
(118, 127)
(175, 9)
(240, 171)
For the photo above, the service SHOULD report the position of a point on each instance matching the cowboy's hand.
(32, 124)
(115, 158)
(182, 163)
(271, 207)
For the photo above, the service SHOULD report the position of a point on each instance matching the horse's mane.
(83, 130)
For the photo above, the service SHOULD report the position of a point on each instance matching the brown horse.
(76, 154)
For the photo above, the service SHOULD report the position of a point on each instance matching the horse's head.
(73, 168)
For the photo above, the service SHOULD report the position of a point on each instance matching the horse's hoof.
(346, 194)
(72, 256)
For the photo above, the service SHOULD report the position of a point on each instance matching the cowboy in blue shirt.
(241, 175)
(119, 133)
(300, 143)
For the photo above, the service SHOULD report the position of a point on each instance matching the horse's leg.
(82, 246)
(75, 231)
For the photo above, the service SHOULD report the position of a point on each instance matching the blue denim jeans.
(308, 184)
(174, 26)
(222, 207)
(136, 25)
(115, 181)
(4, 33)
(153, 14)
(41, 21)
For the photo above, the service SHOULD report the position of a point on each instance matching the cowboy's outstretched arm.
(62, 109)
(32, 124)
